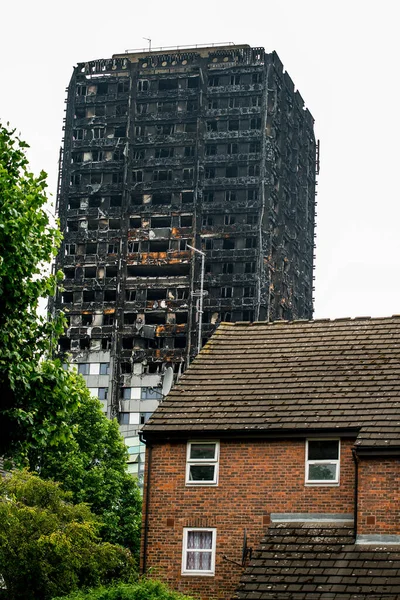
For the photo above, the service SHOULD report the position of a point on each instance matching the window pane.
(326, 472)
(199, 451)
(148, 393)
(201, 473)
(83, 368)
(144, 417)
(199, 540)
(198, 561)
(323, 449)
(103, 393)
(104, 368)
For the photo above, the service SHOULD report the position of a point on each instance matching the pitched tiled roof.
(307, 561)
(291, 376)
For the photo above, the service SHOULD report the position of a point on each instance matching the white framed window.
(322, 461)
(198, 556)
(202, 461)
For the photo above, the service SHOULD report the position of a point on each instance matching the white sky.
(343, 57)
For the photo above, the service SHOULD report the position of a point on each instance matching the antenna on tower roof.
(149, 40)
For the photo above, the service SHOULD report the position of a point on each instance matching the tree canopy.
(33, 391)
(91, 463)
(49, 546)
(48, 420)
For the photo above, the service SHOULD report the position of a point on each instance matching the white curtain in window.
(199, 550)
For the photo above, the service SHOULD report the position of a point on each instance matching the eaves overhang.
(160, 436)
(378, 451)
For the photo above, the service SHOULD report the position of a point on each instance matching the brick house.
(286, 434)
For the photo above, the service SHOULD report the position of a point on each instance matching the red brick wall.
(255, 479)
(379, 496)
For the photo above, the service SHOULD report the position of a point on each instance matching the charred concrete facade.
(210, 147)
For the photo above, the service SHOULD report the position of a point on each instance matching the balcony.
(169, 305)
(85, 121)
(88, 188)
(239, 110)
(229, 89)
(168, 355)
(90, 235)
(98, 98)
(222, 279)
(180, 93)
(160, 277)
(245, 254)
(234, 206)
(229, 182)
(242, 134)
(177, 115)
(236, 228)
(223, 304)
(168, 138)
(105, 142)
(165, 162)
(175, 184)
(143, 234)
(182, 232)
(232, 158)
(106, 166)
(170, 329)
(153, 258)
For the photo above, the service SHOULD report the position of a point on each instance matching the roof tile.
(347, 571)
(268, 377)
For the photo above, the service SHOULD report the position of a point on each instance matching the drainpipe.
(356, 461)
(146, 520)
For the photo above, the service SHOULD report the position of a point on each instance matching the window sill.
(197, 574)
(320, 484)
(200, 484)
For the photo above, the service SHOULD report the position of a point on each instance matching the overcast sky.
(342, 56)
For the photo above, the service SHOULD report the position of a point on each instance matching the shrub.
(49, 546)
(145, 589)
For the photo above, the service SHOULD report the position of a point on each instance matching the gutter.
(378, 451)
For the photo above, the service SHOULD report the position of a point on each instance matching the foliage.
(47, 417)
(91, 463)
(145, 589)
(49, 546)
(32, 392)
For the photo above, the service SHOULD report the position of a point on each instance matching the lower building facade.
(193, 532)
(273, 465)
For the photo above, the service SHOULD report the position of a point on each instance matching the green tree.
(145, 589)
(49, 546)
(47, 418)
(91, 463)
(32, 391)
